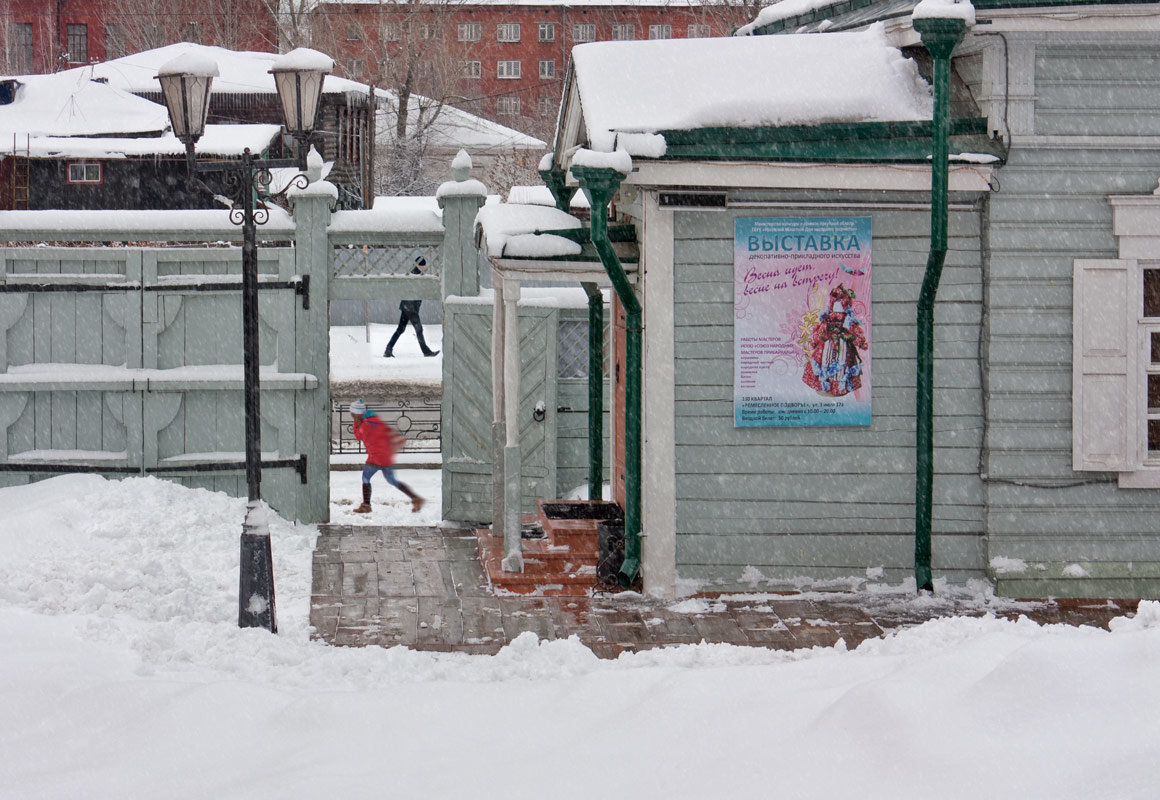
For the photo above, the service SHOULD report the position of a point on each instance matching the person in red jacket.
(380, 440)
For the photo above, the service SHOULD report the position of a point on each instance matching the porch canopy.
(540, 243)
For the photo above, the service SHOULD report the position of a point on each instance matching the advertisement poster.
(801, 348)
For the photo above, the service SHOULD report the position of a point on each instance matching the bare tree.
(408, 48)
(136, 25)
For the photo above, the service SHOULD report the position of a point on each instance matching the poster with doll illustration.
(801, 333)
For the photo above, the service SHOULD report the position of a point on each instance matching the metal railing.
(418, 419)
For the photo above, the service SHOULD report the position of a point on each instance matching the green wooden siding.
(824, 504)
(1053, 208)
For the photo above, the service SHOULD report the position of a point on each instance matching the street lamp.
(186, 82)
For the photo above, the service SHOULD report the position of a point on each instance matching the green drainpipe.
(940, 37)
(556, 181)
(600, 184)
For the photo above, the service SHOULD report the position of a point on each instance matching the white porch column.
(659, 482)
(513, 556)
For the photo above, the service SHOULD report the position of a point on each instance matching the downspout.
(940, 36)
(556, 181)
(600, 184)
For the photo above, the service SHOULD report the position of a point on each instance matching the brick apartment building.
(41, 36)
(506, 60)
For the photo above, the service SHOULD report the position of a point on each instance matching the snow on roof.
(456, 128)
(72, 104)
(782, 10)
(505, 224)
(239, 72)
(744, 82)
(218, 140)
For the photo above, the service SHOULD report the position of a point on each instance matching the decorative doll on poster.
(833, 364)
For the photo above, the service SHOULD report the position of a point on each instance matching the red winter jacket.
(379, 438)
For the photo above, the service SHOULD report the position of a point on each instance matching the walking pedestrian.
(381, 441)
(409, 313)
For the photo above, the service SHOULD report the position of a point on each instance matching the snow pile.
(123, 674)
(518, 225)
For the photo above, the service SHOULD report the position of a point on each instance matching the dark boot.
(365, 508)
(416, 501)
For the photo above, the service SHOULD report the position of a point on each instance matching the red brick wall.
(355, 37)
(250, 27)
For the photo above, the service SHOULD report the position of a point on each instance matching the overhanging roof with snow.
(837, 97)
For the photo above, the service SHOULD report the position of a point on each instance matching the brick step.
(548, 570)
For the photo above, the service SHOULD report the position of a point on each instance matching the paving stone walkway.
(424, 588)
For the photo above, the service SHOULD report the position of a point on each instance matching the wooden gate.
(468, 474)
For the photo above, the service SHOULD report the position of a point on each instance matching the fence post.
(312, 208)
(460, 198)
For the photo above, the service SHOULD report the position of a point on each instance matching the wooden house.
(70, 142)
(780, 188)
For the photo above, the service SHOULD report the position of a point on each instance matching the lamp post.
(186, 82)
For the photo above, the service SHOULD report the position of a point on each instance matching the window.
(22, 36)
(353, 32)
(699, 32)
(547, 31)
(191, 32)
(508, 69)
(547, 69)
(507, 106)
(114, 41)
(1115, 401)
(356, 68)
(78, 44)
(584, 32)
(431, 31)
(472, 69)
(660, 31)
(390, 32)
(507, 32)
(469, 31)
(84, 172)
(546, 107)
(623, 32)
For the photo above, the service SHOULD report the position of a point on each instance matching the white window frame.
(391, 32)
(547, 69)
(1111, 350)
(471, 70)
(583, 32)
(469, 31)
(660, 31)
(85, 172)
(699, 31)
(623, 32)
(508, 70)
(507, 106)
(507, 32)
(546, 32)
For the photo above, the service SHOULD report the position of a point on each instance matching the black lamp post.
(185, 84)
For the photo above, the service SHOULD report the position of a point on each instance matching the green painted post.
(595, 391)
(600, 184)
(940, 37)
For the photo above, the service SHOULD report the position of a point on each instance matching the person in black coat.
(410, 314)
